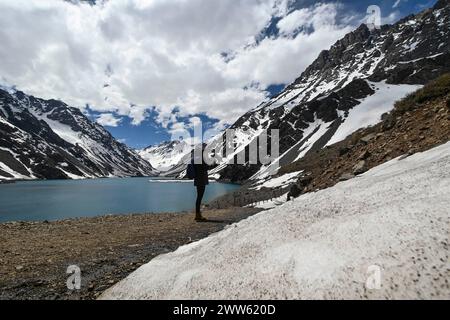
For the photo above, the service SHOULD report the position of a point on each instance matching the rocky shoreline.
(35, 255)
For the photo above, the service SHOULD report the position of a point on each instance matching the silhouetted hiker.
(201, 180)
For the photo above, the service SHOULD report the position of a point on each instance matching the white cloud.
(128, 56)
(396, 4)
(316, 16)
(108, 119)
(391, 18)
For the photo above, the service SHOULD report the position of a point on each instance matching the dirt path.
(34, 256)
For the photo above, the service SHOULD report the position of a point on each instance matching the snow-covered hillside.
(346, 88)
(48, 139)
(393, 219)
(165, 156)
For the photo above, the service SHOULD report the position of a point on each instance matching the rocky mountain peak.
(47, 139)
(441, 4)
(165, 155)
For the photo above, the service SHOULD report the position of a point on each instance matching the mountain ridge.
(166, 155)
(47, 139)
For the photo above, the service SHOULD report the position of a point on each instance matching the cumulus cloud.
(313, 17)
(108, 120)
(127, 57)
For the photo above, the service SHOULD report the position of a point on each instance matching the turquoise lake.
(62, 199)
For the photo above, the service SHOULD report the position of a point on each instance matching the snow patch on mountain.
(165, 156)
(311, 138)
(277, 182)
(62, 130)
(370, 109)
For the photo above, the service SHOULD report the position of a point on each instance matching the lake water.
(62, 199)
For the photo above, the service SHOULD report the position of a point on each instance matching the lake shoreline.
(35, 255)
(53, 200)
(14, 180)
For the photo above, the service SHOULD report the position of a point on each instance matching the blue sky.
(149, 131)
(147, 68)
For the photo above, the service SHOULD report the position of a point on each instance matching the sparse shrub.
(435, 89)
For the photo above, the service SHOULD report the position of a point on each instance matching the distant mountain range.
(166, 155)
(47, 139)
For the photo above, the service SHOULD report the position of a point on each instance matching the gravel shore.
(34, 256)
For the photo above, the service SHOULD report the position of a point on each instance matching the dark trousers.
(200, 193)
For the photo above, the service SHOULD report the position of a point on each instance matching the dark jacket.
(201, 174)
(201, 169)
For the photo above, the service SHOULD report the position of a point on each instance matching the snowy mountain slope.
(48, 139)
(166, 155)
(322, 245)
(280, 181)
(341, 91)
(370, 110)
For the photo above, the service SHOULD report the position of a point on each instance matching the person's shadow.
(215, 221)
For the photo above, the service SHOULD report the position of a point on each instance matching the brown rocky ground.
(412, 127)
(34, 256)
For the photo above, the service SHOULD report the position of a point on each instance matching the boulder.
(368, 138)
(304, 181)
(360, 167)
(388, 122)
(343, 151)
(365, 155)
(346, 176)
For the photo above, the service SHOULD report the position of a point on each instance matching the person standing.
(201, 180)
